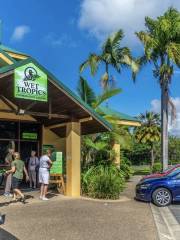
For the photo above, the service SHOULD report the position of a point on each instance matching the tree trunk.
(164, 124)
(152, 158)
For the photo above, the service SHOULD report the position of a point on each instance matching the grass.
(141, 170)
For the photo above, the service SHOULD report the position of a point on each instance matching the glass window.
(8, 130)
(173, 173)
(178, 176)
(29, 131)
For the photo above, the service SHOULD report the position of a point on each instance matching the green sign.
(30, 83)
(27, 135)
(57, 167)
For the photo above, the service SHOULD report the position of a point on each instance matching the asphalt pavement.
(175, 210)
(80, 219)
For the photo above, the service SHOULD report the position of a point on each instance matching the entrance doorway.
(26, 147)
(21, 136)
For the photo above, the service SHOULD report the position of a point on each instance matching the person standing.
(8, 181)
(33, 165)
(17, 169)
(44, 168)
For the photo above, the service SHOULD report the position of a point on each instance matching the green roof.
(121, 116)
(71, 94)
(5, 48)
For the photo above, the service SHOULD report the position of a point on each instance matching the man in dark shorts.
(17, 169)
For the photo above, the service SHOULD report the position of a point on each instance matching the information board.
(57, 167)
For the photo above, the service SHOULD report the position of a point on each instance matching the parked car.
(162, 188)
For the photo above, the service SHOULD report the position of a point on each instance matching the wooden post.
(73, 156)
(116, 148)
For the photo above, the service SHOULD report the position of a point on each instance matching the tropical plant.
(95, 150)
(88, 95)
(99, 146)
(112, 54)
(126, 167)
(157, 167)
(103, 181)
(149, 131)
(174, 149)
(161, 41)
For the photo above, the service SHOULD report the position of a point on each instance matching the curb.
(167, 226)
(121, 199)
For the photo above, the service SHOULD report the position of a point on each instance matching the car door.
(176, 189)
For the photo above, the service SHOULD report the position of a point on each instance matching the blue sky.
(61, 34)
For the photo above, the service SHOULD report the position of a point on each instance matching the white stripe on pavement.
(167, 226)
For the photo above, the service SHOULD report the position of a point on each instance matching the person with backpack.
(33, 168)
(17, 170)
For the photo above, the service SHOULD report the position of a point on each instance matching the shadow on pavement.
(2, 204)
(51, 195)
(4, 235)
(177, 203)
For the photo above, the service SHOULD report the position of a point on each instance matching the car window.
(174, 173)
(177, 176)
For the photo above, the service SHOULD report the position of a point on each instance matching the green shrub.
(103, 181)
(141, 170)
(174, 162)
(125, 167)
(157, 167)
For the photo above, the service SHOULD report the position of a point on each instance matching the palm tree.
(112, 54)
(149, 132)
(101, 144)
(161, 41)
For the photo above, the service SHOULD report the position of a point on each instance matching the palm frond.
(92, 62)
(107, 94)
(85, 91)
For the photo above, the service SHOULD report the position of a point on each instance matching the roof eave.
(64, 88)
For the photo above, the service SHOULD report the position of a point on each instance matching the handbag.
(37, 166)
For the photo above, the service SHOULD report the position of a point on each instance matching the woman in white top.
(32, 169)
(44, 167)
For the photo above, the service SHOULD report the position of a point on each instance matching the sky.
(60, 35)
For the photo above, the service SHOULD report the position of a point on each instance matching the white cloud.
(174, 128)
(156, 105)
(62, 41)
(20, 32)
(102, 17)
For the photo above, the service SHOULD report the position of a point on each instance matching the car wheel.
(161, 197)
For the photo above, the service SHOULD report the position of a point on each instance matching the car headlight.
(145, 186)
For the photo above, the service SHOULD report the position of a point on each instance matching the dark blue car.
(161, 189)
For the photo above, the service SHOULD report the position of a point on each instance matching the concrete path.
(78, 219)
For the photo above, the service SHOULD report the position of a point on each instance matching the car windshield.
(174, 172)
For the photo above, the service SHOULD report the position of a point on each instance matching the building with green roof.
(38, 111)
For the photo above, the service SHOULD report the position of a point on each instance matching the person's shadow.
(2, 204)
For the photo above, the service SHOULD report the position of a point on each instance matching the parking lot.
(175, 209)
